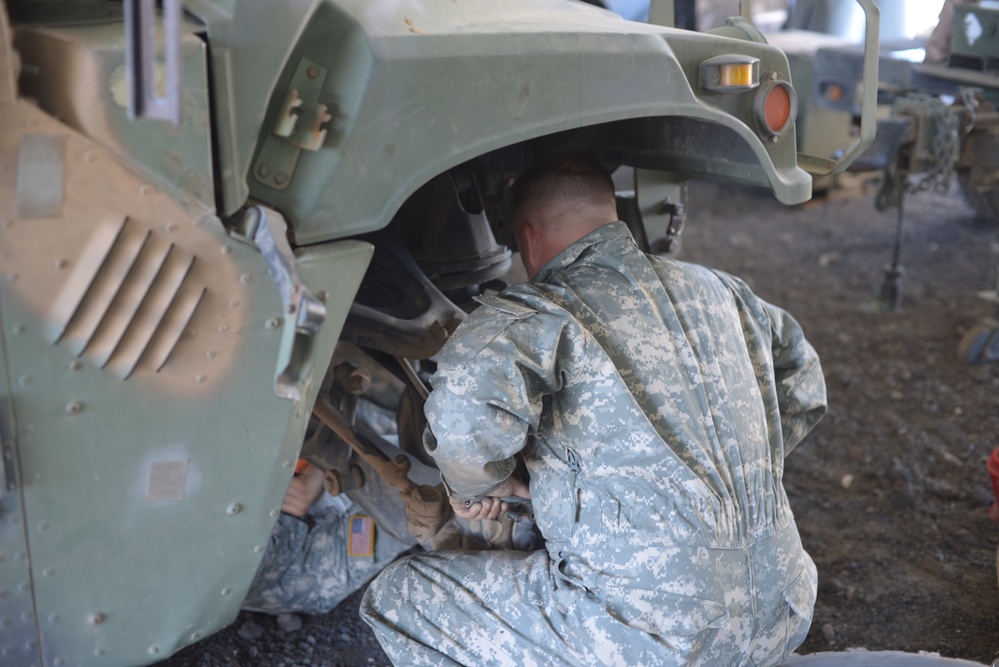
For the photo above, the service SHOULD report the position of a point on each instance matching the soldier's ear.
(531, 251)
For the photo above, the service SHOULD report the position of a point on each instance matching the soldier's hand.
(305, 488)
(491, 506)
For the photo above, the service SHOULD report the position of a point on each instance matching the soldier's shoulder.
(508, 303)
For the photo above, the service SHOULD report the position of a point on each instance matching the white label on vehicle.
(972, 28)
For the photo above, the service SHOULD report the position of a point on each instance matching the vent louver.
(127, 301)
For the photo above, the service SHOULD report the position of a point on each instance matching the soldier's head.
(557, 202)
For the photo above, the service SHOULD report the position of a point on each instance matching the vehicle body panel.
(150, 443)
(145, 341)
(81, 80)
(411, 89)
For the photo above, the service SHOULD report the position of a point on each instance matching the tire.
(864, 658)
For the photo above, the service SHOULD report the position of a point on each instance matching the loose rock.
(250, 631)
(289, 622)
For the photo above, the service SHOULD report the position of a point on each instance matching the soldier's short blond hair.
(568, 179)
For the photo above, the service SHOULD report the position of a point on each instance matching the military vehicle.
(943, 121)
(205, 211)
(940, 124)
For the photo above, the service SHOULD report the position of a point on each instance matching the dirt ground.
(890, 491)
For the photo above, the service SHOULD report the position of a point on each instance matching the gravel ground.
(890, 491)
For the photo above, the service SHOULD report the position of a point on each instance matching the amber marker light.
(730, 73)
(738, 75)
(776, 106)
(832, 92)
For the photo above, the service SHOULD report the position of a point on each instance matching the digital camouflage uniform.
(309, 566)
(653, 402)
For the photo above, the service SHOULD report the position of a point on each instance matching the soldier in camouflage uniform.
(653, 403)
(323, 547)
(312, 563)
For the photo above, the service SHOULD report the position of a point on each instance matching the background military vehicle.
(943, 121)
(204, 212)
(939, 124)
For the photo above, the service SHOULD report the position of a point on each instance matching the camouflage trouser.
(309, 566)
(514, 609)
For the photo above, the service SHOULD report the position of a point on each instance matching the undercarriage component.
(353, 381)
(934, 141)
(891, 289)
(336, 482)
(392, 470)
(427, 506)
(397, 309)
(364, 392)
(662, 202)
(439, 248)
(445, 228)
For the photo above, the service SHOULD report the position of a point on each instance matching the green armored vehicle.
(942, 121)
(200, 210)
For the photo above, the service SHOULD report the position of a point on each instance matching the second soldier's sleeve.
(801, 386)
(488, 392)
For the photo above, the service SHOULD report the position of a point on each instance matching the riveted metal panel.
(147, 496)
(78, 75)
(18, 634)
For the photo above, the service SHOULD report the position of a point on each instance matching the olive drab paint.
(171, 294)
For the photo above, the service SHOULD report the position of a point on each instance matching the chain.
(969, 98)
(945, 132)
(943, 124)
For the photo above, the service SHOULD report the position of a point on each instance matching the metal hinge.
(301, 124)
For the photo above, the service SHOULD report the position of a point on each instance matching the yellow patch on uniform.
(362, 536)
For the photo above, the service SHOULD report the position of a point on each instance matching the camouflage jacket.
(653, 401)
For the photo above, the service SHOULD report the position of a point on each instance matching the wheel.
(979, 343)
(858, 657)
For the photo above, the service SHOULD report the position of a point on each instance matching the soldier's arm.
(797, 374)
(488, 391)
(801, 387)
(303, 491)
